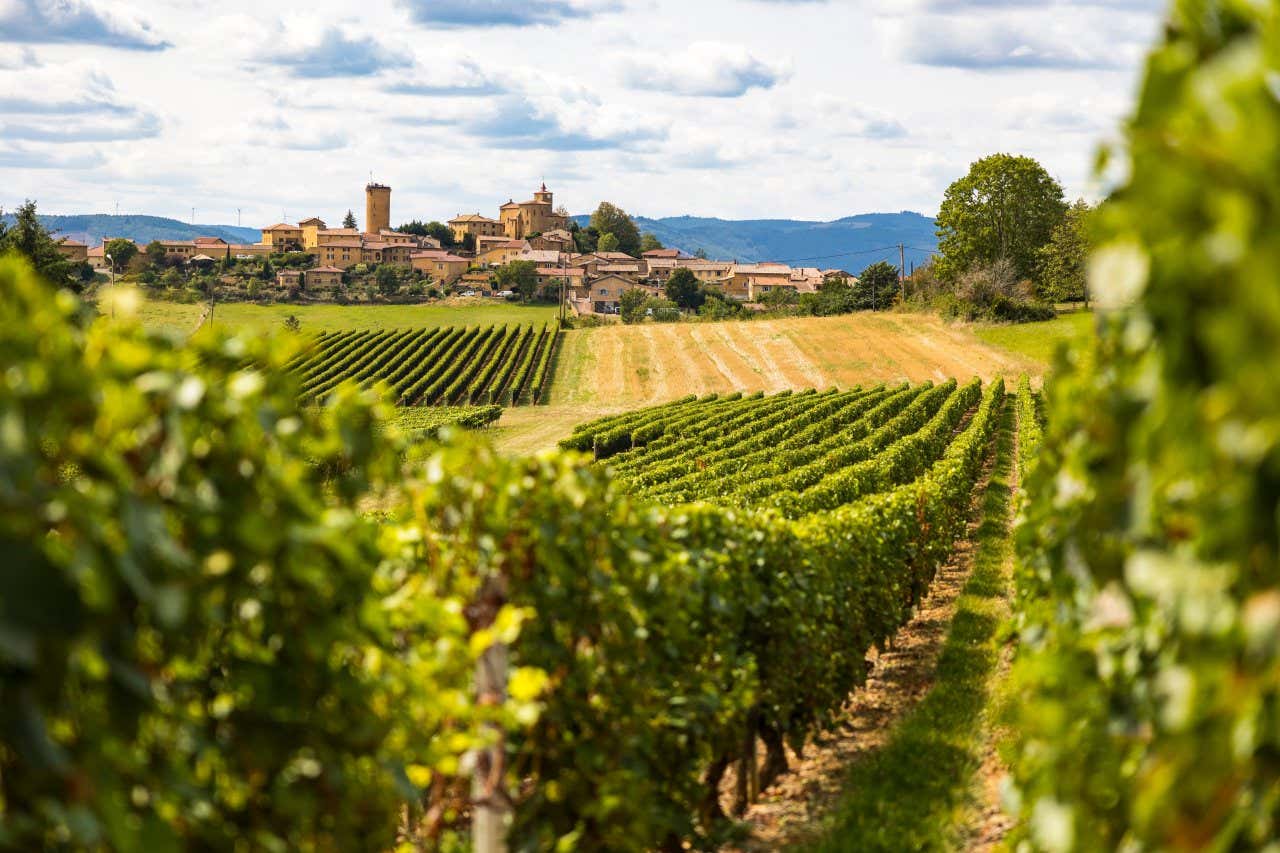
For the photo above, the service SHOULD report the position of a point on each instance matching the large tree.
(519, 277)
(610, 219)
(122, 251)
(1062, 259)
(29, 238)
(1005, 208)
(878, 286)
(607, 243)
(684, 289)
(438, 230)
(650, 243)
(349, 221)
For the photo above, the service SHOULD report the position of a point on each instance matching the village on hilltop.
(316, 262)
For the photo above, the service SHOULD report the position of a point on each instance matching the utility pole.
(902, 269)
(112, 261)
(237, 217)
(193, 216)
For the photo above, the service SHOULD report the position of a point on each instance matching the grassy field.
(618, 368)
(320, 318)
(1038, 341)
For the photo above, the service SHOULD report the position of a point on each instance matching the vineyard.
(231, 619)
(448, 366)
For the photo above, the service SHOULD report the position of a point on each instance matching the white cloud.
(705, 68)
(77, 22)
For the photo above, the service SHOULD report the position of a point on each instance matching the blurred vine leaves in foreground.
(1148, 691)
(203, 643)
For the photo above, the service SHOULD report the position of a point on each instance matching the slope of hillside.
(849, 243)
(618, 368)
(91, 228)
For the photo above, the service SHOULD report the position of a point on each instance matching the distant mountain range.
(852, 243)
(93, 227)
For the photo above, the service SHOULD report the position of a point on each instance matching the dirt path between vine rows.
(792, 811)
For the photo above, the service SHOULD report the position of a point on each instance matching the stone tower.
(377, 208)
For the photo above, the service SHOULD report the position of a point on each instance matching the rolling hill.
(93, 227)
(850, 243)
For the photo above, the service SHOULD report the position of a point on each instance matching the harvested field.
(624, 367)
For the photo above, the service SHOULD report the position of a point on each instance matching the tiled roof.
(444, 257)
(324, 269)
(282, 226)
(473, 217)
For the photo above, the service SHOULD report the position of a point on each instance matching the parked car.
(505, 294)
(468, 293)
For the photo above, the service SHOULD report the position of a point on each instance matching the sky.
(256, 112)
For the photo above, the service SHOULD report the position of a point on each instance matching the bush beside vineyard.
(439, 367)
(1147, 707)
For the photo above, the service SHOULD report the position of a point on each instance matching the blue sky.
(812, 109)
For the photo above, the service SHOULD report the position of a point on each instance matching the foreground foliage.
(1148, 708)
(202, 644)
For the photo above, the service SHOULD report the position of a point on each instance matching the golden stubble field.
(616, 368)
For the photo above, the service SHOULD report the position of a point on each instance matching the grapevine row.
(432, 367)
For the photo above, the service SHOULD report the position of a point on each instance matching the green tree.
(349, 221)
(878, 286)
(610, 219)
(156, 255)
(292, 323)
(519, 277)
(607, 243)
(122, 251)
(27, 237)
(650, 243)
(437, 230)
(388, 279)
(684, 289)
(700, 254)
(631, 305)
(586, 240)
(172, 278)
(1005, 208)
(1064, 257)
(268, 272)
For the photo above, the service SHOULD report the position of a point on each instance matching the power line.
(838, 255)
(892, 248)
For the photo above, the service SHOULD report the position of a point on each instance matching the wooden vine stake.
(491, 804)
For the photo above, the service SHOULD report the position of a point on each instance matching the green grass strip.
(911, 794)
